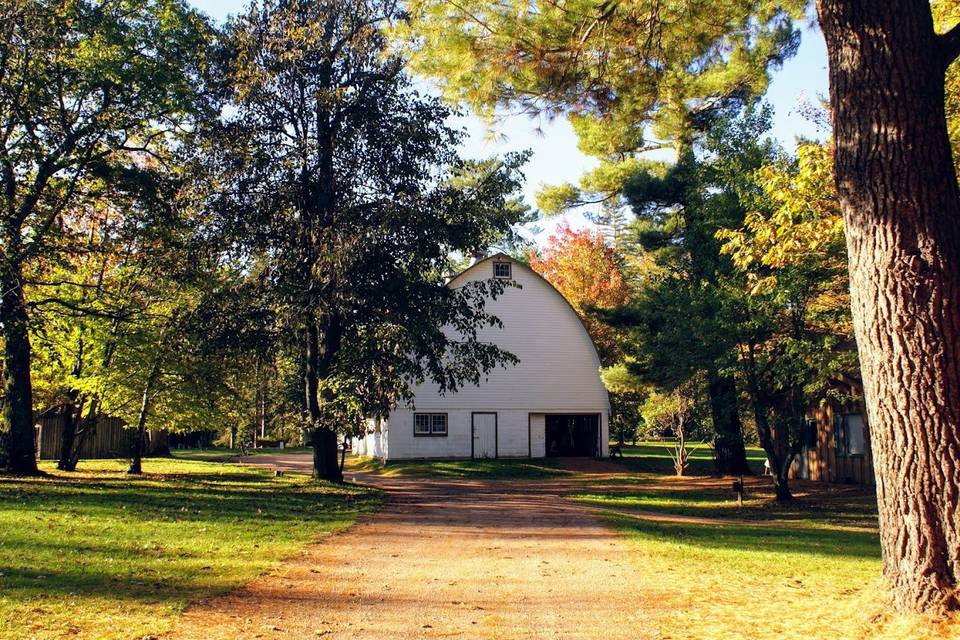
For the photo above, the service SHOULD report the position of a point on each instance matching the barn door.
(484, 435)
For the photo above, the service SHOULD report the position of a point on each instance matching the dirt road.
(445, 559)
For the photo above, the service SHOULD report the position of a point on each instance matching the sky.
(556, 159)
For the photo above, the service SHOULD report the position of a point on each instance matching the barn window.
(429, 424)
(421, 424)
(501, 270)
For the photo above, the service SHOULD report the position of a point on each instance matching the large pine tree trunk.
(730, 454)
(18, 408)
(899, 196)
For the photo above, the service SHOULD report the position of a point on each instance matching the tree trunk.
(88, 427)
(777, 456)
(900, 201)
(18, 408)
(159, 443)
(323, 438)
(136, 464)
(68, 434)
(71, 416)
(730, 455)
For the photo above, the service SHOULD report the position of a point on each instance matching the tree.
(583, 269)
(898, 193)
(685, 320)
(795, 329)
(616, 67)
(587, 273)
(85, 87)
(343, 180)
(677, 414)
(631, 77)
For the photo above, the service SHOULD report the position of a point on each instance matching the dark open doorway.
(572, 435)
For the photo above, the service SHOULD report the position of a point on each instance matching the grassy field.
(654, 457)
(101, 555)
(715, 569)
(223, 454)
(463, 469)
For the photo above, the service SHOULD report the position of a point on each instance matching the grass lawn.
(654, 457)
(224, 454)
(102, 555)
(502, 469)
(714, 569)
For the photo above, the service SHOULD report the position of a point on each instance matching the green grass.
(501, 469)
(719, 569)
(654, 457)
(224, 454)
(102, 555)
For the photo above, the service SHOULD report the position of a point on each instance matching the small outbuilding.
(836, 440)
(551, 403)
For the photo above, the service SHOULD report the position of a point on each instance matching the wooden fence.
(110, 438)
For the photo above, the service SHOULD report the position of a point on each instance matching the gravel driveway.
(445, 559)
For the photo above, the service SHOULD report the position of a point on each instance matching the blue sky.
(555, 155)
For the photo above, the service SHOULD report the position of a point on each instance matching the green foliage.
(93, 98)
(344, 182)
(666, 64)
(556, 199)
(798, 220)
(90, 91)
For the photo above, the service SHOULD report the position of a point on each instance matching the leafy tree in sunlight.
(631, 78)
(87, 91)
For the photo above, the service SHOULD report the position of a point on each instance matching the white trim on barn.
(551, 403)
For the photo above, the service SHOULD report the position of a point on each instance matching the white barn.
(552, 403)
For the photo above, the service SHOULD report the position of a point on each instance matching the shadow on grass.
(854, 508)
(759, 538)
(189, 532)
(466, 469)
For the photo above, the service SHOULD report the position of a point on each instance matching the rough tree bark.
(18, 408)
(730, 454)
(900, 201)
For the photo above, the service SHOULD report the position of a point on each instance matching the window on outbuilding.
(810, 433)
(430, 424)
(849, 433)
(502, 270)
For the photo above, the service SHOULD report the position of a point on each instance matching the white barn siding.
(374, 443)
(558, 373)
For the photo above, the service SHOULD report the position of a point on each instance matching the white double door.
(484, 435)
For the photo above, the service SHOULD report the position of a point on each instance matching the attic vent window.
(501, 270)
